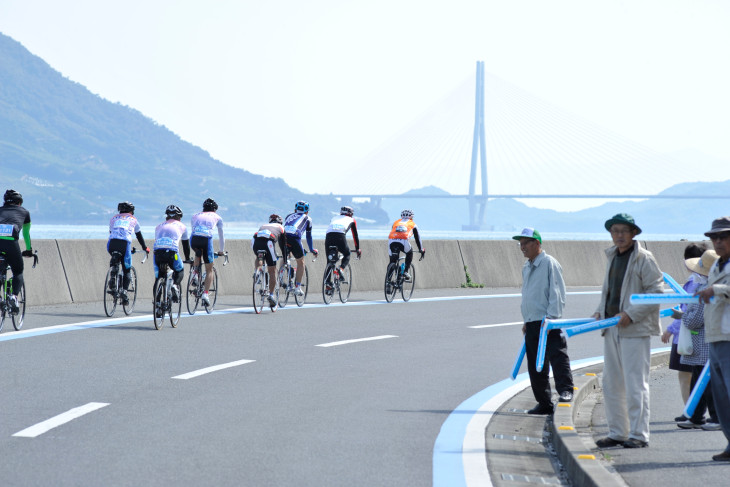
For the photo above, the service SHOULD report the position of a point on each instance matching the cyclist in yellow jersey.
(398, 240)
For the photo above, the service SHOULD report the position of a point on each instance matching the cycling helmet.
(125, 207)
(12, 196)
(210, 205)
(406, 214)
(347, 210)
(274, 218)
(301, 207)
(173, 211)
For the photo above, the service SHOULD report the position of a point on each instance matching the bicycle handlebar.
(34, 256)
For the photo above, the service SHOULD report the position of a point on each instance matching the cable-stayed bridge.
(533, 148)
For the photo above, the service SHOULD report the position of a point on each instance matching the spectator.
(627, 346)
(684, 372)
(543, 296)
(716, 297)
(694, 320)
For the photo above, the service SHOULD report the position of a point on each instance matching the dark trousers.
(706, 402)
(556, 356)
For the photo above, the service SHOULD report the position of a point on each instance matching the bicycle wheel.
(407, 287)
(192, 293)
(305, 287)
(110, 295)
(391, 282)
(212, 292)
(258, 291)
(175, 309)
(20, 315)
(158, 303)
(131, 292)
(345, 283)
(2, 315)
(328, 285)
(284, 280)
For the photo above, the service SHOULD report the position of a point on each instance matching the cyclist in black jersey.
(14, 219)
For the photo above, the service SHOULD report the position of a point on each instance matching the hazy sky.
(302, 89)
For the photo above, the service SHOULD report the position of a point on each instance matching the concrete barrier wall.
(73, 271)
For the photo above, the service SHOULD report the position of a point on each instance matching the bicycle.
(196, 286)
(113, 293)
(286, 279)
(163, 301)
(333, 280)
(261, 284)
(6, 290)
(395, 280)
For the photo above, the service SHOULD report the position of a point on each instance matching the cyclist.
(167, 250)
(398, 241)
(14, 219)
(336, 235)
(264, 239)
(121, 228)
(201, 241)
(295, 224)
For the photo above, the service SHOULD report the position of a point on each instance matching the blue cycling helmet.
(301, 207)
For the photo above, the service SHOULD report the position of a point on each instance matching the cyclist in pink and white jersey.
(167, 250)
(201, 241)
(121, 228)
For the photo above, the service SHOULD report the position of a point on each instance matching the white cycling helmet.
(406, 214)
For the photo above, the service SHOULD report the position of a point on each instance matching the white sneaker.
(272, 302)
(299, 291)
(406, 276)
(710, 426)
(206, 299)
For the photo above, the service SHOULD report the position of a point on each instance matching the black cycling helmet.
(12, 196)
(274, 218)
(173, 211)
(210, 205)
(301, 206)
(125, 207)
(347, 210)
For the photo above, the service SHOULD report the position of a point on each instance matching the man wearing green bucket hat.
(543, 296)
(630, 269)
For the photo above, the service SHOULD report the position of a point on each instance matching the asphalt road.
(292, 406)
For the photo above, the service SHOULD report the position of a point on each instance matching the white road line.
(214, 368)
(63, 418)
(498, 325)
(345, 342)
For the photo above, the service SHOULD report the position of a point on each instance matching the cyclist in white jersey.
(265, 239)
(121, 228)
(336, 236)
(201, 241)
(166, 248)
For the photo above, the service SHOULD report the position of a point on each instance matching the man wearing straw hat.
(543, 296)
(716, 297)
(630, 269)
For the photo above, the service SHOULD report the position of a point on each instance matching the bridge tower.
(478, 203)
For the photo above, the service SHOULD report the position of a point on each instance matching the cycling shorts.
(124, 247)
(395, 246)
(267, 245)
(203, 246)
(166, 256)
(294, 244)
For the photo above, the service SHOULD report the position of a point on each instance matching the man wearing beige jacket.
(630, 269)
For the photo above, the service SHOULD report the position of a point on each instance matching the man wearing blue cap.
(630, 269)
(543, 296)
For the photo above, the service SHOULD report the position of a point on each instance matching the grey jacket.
(643, 276)
(717, 312)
